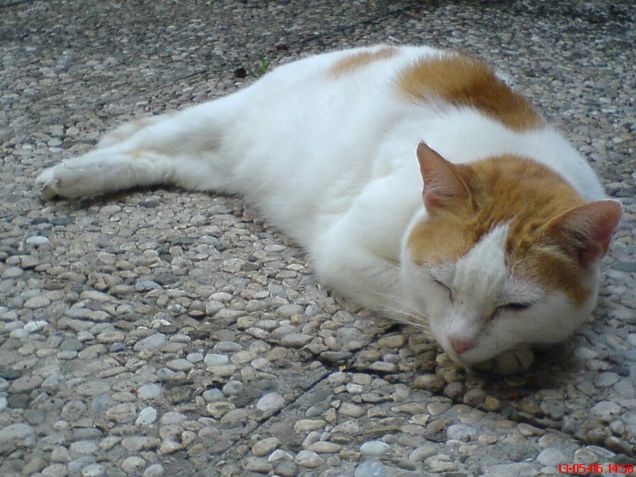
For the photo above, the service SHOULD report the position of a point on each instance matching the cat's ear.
(585, 232)
(443, 185)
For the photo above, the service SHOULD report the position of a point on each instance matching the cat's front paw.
(513, 361)
(70, 178)
(47, 184)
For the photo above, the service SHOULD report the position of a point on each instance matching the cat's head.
(506, 254)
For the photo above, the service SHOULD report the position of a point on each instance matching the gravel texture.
(161, 333)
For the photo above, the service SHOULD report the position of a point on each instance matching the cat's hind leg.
(184, 149)
(127, 130)
(102, 171)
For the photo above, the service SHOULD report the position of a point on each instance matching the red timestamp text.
(587, 469)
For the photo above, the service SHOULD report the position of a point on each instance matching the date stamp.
(596, 469)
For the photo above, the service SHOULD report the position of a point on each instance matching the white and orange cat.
(500, 252)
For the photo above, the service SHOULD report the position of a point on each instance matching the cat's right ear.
(443, 185)
(585, 231)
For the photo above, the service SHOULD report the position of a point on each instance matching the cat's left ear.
(585, 231)
(444, 186)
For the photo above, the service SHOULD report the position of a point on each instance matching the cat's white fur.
(331, 162)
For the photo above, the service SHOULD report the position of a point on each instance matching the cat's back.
(343, 122)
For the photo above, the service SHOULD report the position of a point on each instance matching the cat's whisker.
(418, 321)
(398, 301)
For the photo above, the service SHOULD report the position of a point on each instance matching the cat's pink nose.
(461, 345)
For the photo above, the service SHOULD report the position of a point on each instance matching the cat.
(421, 185)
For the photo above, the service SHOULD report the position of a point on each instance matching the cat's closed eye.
(514, 307)
(445, 287)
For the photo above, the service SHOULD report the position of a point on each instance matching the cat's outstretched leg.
(103, 171)
(184, 149)
(127, 130)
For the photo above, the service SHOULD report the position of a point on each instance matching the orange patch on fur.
(507, 190)
(465, 81)
(358, 61)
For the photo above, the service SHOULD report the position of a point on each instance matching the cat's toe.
(514, 361)
(509, 362)
(47, 183)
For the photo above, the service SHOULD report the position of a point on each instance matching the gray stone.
(213, 359)
(257, 464)
(16, 435)
(461, 432)
(154, 470)
(147, 417)
(374, 448)
(37, 241)
(151, 343)
(38, 301)
(133, 464)
(551, 457)
(370, 468)
(150, 391)
(92, 470)
(180, 365)
(308, 459)
(270, 402)
(81, 448)
(25, 384)
(265, 446)
(295, 340)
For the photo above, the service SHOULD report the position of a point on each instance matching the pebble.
(374, 448)
(440, 463)
(461, 432)
(151, 343)
(295, 340)
(324, 447)
(33, 326)
(133, 464)
(37, 241)
(370, 468)
(154, 470)
(383, 367)
(286, 468)
(270, 402)
(233, 388)
(60, 454)
(265, 446)
(39, 301)
(304, 425)
(12, 272)
(172, 417)
(212, 359)
(351, 410)
(146, 417)
(213, 394)
(18, 433)
(308, 459)
(92, 470)
(433, 382)
(551, 457)
(180, 365)
(605, 409)
(80, 448)
(150, 391)
(25, 384)
(607, 379)
(474, 397)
